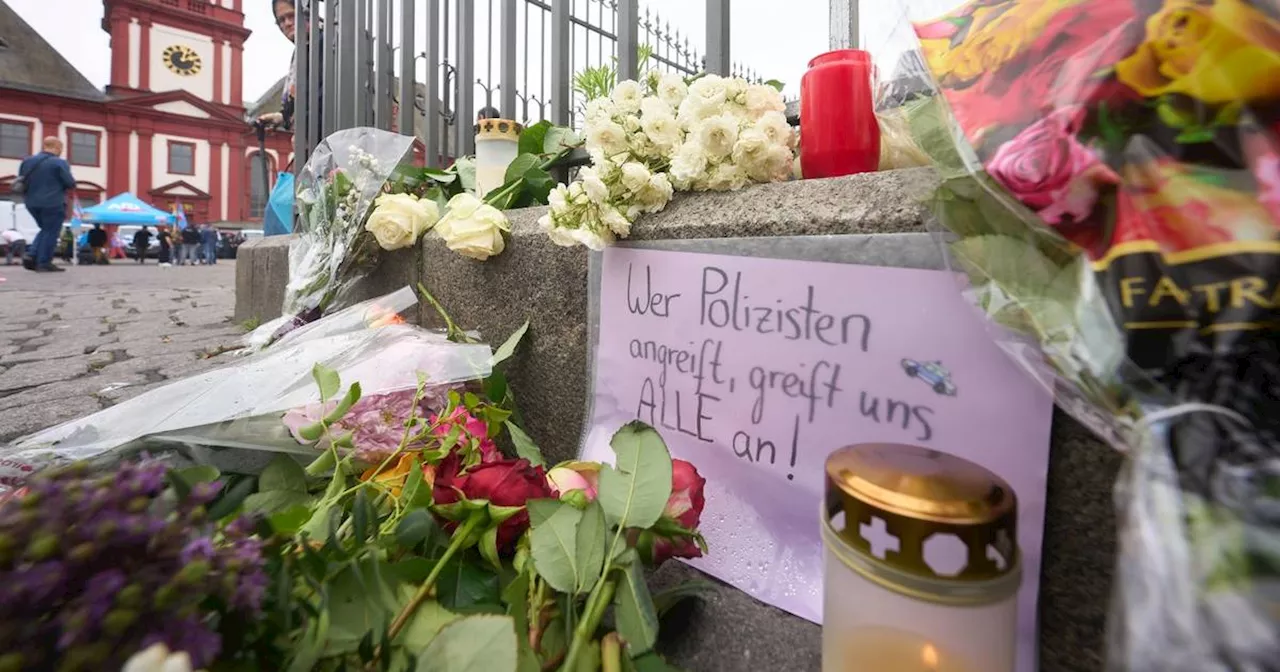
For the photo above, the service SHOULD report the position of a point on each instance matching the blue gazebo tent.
(124, 209)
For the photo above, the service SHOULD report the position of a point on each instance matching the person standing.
(162, 235)
(48, 178)
(15, 245)
(209, 243)
(289, 22)
(98, 243)
(190, 245)
(142, 243)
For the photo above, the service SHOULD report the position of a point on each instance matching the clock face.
(182, 60)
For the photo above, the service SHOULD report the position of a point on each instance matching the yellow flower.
(999, 32)
(395, 475)
(1216, 52)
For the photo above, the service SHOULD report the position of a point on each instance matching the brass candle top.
(498, 129)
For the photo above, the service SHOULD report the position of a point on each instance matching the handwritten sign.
(755, 369)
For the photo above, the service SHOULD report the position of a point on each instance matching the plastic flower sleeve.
(241, 405)
(335, 192)
(1110, 183)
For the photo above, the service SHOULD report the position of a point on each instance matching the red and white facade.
(171, 127)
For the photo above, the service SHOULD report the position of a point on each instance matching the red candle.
(839, 134)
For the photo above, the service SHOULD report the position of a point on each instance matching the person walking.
(98, 243)
(15, 245)
(209, 241)
(142, 243)
(190, 245)
(47, 178)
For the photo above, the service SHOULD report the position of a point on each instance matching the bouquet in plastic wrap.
(337, 192)
(1111, 185)
(257, 403)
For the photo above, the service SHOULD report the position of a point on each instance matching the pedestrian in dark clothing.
(142, 243)
(190, 243)
(98, 243)
(47, 177)
(209, 243)
(166, 243)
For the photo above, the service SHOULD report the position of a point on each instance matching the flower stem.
(611, 653)
(597, 602)
(459, 538)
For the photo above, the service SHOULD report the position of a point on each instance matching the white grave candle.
(497, 144)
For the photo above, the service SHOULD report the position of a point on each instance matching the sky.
(776, 38)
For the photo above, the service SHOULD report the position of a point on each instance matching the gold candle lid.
(945, 517)
(498, 129)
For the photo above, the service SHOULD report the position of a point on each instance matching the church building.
(171, 126)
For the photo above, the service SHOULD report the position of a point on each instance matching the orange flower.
(381, 317)
(395, 475)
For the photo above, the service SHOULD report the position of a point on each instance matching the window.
(182, 158)
(15, 140)
(84, 148)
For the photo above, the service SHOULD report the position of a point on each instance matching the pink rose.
(676, 534)
(472, 430)
(575, 476)
(1047, 168)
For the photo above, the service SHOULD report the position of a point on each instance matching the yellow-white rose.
(473, 228)
(399, 220)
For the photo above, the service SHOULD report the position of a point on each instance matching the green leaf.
(591, 541)
(289, 521)
(348, 400)
(416, 493)
(554, 543)
(489, 547)
(531, 139)
(201, 473)
(425, 623)
(361, 515)
(634, 492)
(776, 84)
(652, 662)
(363, 598)
(589, 660)
(283, 473)
(466, 168)
(275, 501)
(437, 175)
(560, 139)
(538, 184)
(414, 528)
(327, 379)
(525, 447)
(634, 611)
(1195, 136)
(666, 599)
(233, 497)
(464, 586)
(472, 644)
(519, 166)
(508, 347)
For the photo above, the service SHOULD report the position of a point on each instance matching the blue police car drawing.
(933, 373)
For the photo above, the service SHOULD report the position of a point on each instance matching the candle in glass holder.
(497, 144)
(922, 566)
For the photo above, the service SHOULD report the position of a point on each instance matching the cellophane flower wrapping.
(1110, 183)
(242, 406)
(332, 251)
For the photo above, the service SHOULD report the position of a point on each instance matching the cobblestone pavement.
(75, 342)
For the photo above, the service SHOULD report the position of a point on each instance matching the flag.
(77, 212)
(181, 214)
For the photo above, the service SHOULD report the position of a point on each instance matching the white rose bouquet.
(399, 220)
(649, 140)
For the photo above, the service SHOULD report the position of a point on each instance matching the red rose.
(503, 483)
(676, 534)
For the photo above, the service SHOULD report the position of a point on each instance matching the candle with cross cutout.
(922, 565)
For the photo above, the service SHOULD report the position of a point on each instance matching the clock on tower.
(181, 59)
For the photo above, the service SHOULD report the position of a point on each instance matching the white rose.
(694, 110)
(558, 235)
(593, 240)
(630, 123)
(735, 90)
(672, 89)
(688, 164)
(577, 195)
(717, 135)
(607, 136)
(399, 220)
(708, 90)
(558, 199)
(594, 187)
(157, 658)
(778, 164)
(656, 193)
(473, 228)
(751, 149)
(726, 177)
(634, 176)
(775, 127)
(654, 106)
(600, 108)
(763, 98)
(662, 130)
(626, 96)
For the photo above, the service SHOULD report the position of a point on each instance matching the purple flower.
(30, 584)
(190, 635)
(376, 422)
(198, 549)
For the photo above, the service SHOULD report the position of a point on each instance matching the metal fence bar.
(464, 111)
(315, 75)
(433, 113)
(718, 37)
(302, 64)
(329, 103)
(628, 45)
(347, 91)
(382, 71)
(561, 99)
(408, 71)
(843, 24)
(507, 102)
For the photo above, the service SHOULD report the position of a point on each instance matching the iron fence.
(510, 58)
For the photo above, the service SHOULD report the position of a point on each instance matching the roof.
(29, 63)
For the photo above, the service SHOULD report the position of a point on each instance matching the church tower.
(195, 46)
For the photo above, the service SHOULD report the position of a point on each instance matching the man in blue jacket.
(47, 177)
